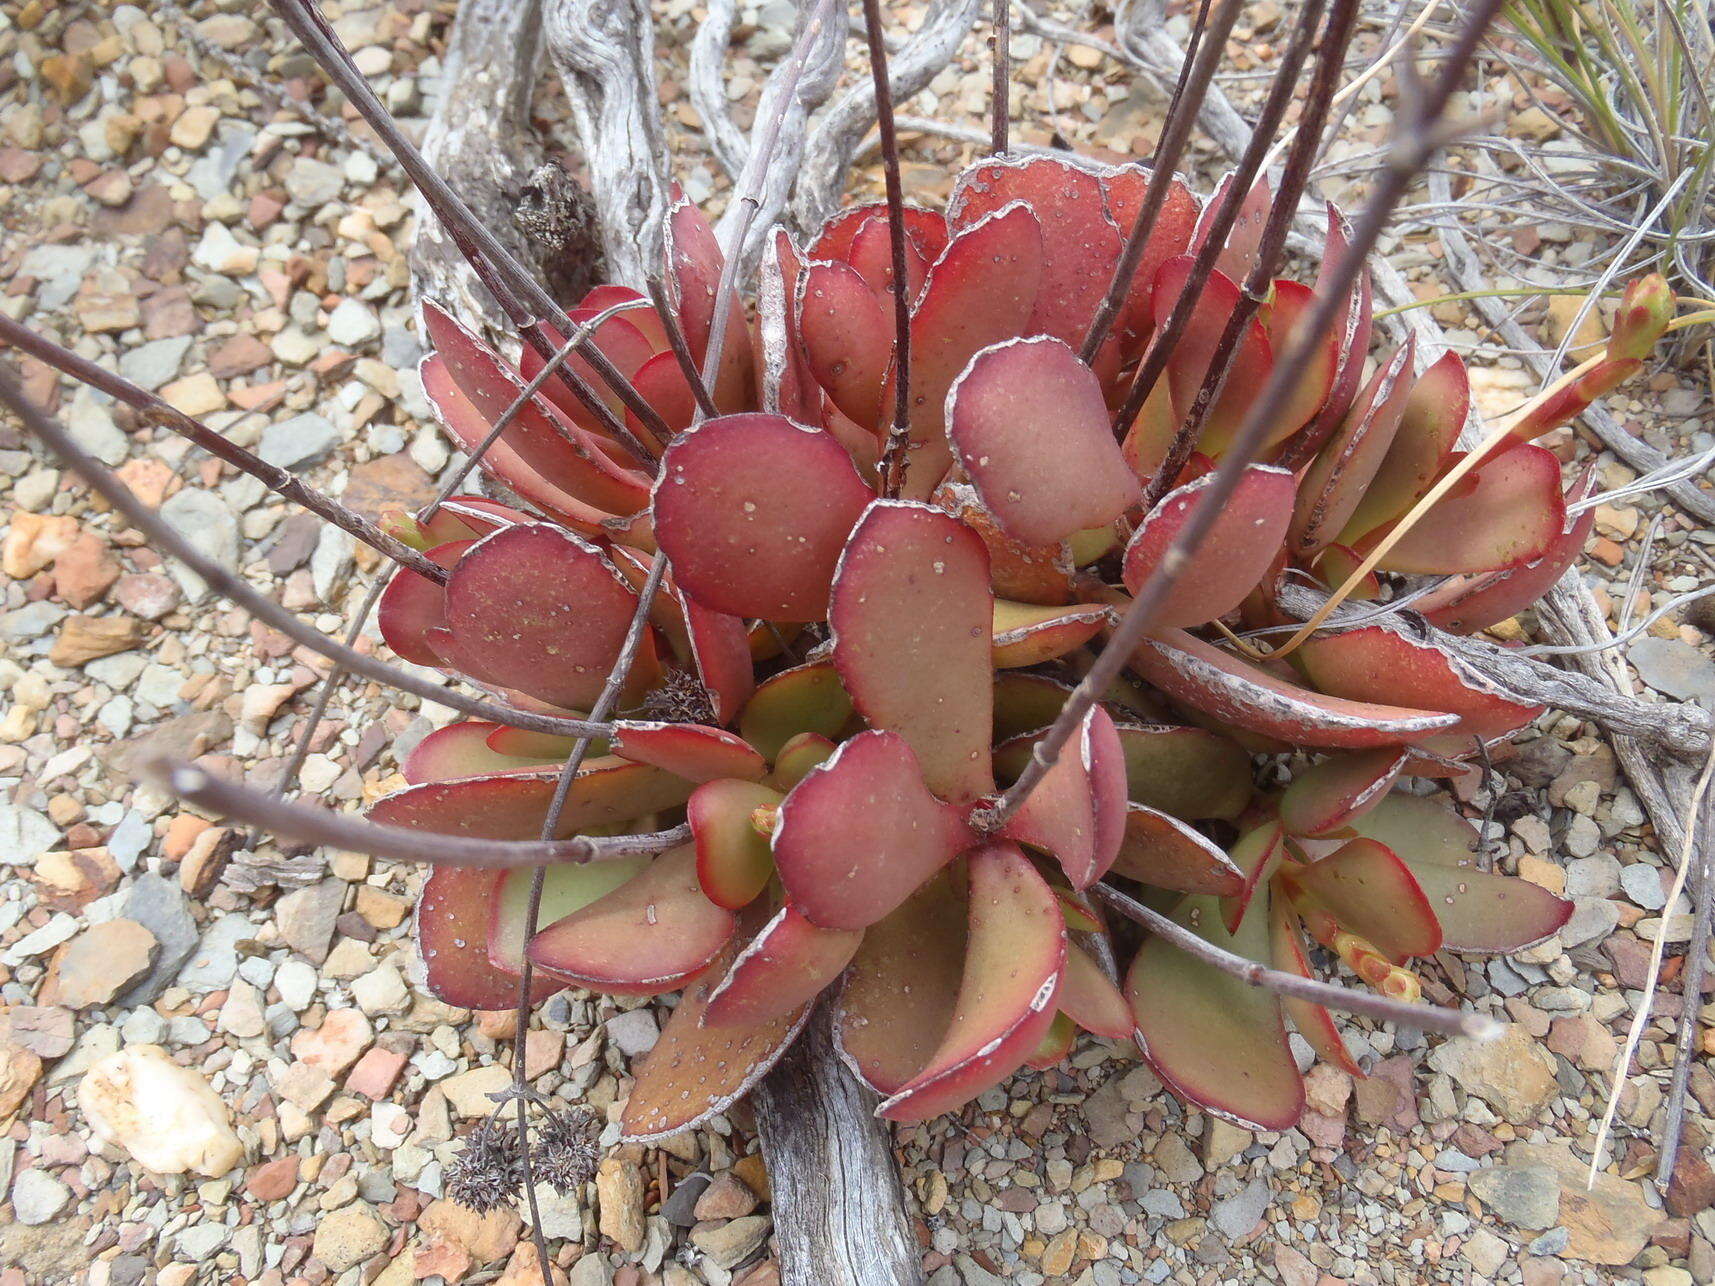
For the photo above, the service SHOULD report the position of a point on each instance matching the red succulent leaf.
(1252, 361)
(694, 262)
(1314, 1023)
(1375, 661)
(1327, 797)
(753, 510)
(1055, 1045)
(1191, 773)
(1077, 811)
(720, 649)
(1080, 242)
(806, 698)
(1026, 634)
(412, 605)
(1089, 997)
(861, 832)
(1246, 696)
(1168, 236)
(783, 967)
(566, 888)
(451, 931)
(1352, 335)
(547, 614)
(694, 1071)
(903, 985)
(1466, 604)
(693, 751)
(1372, 893)
(734, 862)
(979, 292)
(1258, 854)
(1024, 573)
(1335, 483)
(797, 757)
(1217, 1042)
(1429, 425)
(1040, 485)
(1478, 910)
(647, 936)
(1239, 253)
(461, 750)
(871, 255)
(847, 334)
(1288, 309)
(620, 341)
(513, 805)
(1232, 559)
(1014, 956)
(1163, 851)
(926, 230)
(910, 615)
(1023, 703)
(1507, 511)
(661, 382)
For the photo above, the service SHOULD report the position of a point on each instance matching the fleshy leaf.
(1168, 236)
(1246, 696)
(753, 511)
(1506, 512)
(412, 605)
(513, 805)
(1055, 1044)
(1024, 573)
(647, 936)
(689, 750)
(694, 262)
(910, 615)
(720, 649)
(1234, 556)
(1013, 960)
(1478, 910)
(1023, 703)
(785, 966)
(860, 832)
(546, 614)
(797, 757)
(1060, 815)
(1215, 1041)
(566, 888)
(1326, 797)
(901, 989)
(1371, 892)
(1188, 772)
(848, 338)
(979, 292)
(1314, 1023)
(460, 750)
(1089, 997)
(451, 930)
(734, 863)
(1258, 854)
(1164, 852)
(694, 1071)
(1041, 486)
(1025, 634)
(806, 698)
(1434, 412)
(1251, 365)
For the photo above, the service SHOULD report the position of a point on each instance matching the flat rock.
(159, 905)
(305, 918)
(100, 963)
(203, 519)
(1608, 1222)
(619, 1194)
(349, 1236)
(468, 1092)
(1675, 668)
(1512, 1073)
(1527, 1196)
(38, 1197)
(302, 440)
(730, 1244)
(25, 835)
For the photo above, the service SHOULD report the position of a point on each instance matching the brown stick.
(893, 458)
(321, 826)
(1329, 995)
(1418, 138)
(287, 485)
(235, 589)
(1175, 134)
(1000, 105)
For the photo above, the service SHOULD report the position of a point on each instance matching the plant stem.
(1000, 105)
(893, 458)
(1329, 995)
(1175, 134)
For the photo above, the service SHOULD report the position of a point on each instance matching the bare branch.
(1000, 105)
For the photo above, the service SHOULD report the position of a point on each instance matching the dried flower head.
(489, 1172)
(566, 1150)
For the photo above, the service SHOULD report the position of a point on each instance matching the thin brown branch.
(1175, 134)
(517, 290)
(233, 588)
(286, 485)
(681, 347)
(1271, 249)
(1329, 995)
(1000, 106)
(1414, 144)
(323, 827)
(893, 457)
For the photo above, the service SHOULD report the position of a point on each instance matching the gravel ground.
(165, 215)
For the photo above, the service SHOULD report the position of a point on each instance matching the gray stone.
(590, 1270)
(214, 963)
(154, 363)
(731, 1243)
(1674, 667)
(59, 271)
(1642, 883)
(37, 1197)
(158, 904)
(633, 1032)
(313, 182)
(296, 983)
(1593, 877)
(202, 519)
(128, 840)
(306, 917)
(25, 835)
(92, 428)
(201, 1240)
(1236, 1215)
(1527, 1196)
(352, 323)
(302, 440)
(681, 1204)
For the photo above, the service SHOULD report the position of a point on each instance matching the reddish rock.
(1692, 1189)
(337, 1043)
(147, 594)
(239, 356)
(18, 165)
(273, 1180)
(85, 570)
(99, 964)
(375, 1073)
(167, 313)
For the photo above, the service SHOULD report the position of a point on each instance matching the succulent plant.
(861, 635)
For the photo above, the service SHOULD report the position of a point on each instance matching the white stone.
(165, 1116)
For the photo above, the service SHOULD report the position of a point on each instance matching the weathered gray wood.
(840, 1212)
